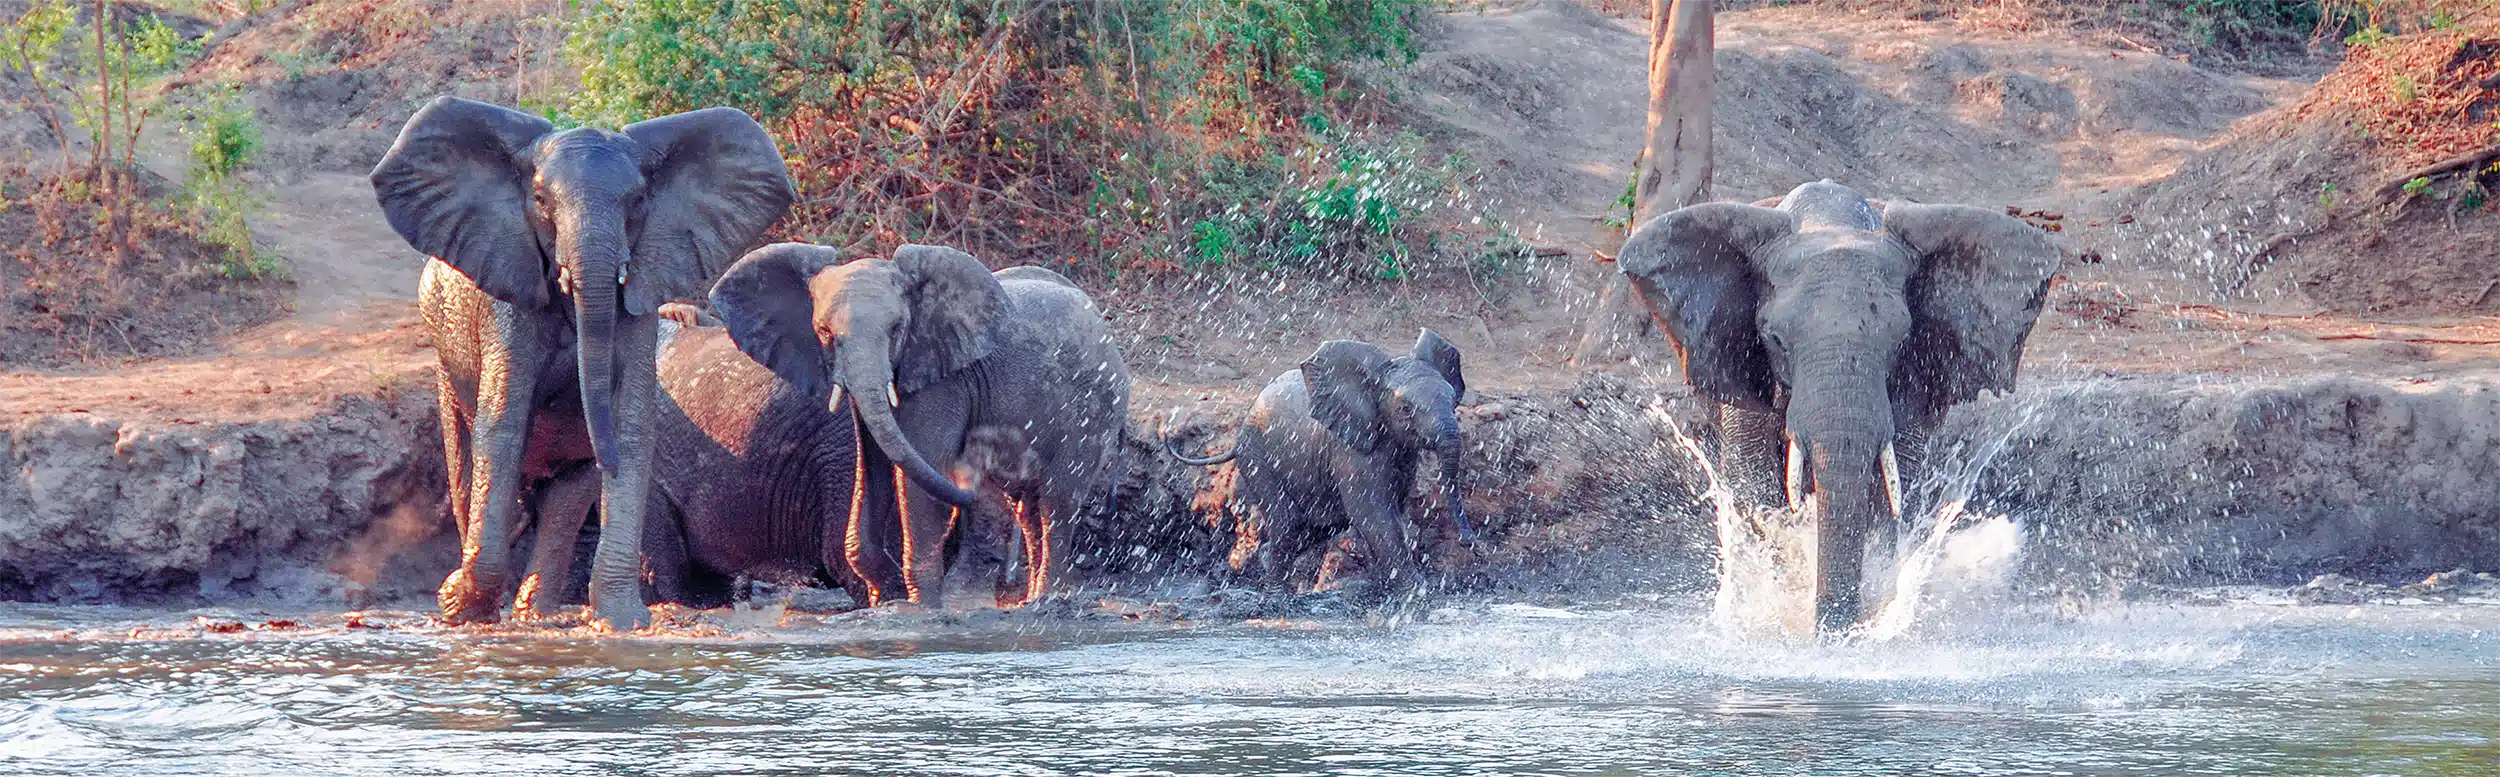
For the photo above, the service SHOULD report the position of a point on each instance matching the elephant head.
(1382, 405)
(1853, 325)
(880, 329)
(617, 221)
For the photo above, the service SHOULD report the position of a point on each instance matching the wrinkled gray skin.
(1828, 332)
(978, 388)
(1335, 444)
(552, 251)
(758, 481)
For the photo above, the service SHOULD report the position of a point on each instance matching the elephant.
(1335, 443)
(998, 395)
(550, 252)
(1830, 338)
(755, 478)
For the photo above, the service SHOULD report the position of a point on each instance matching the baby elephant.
(1335, 443)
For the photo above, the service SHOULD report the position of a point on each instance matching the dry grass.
(72, 299)
(2422, 97)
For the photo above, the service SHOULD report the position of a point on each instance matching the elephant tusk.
(1892, 480)
(1796, 478)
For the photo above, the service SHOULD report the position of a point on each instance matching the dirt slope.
(2308, 204)
(1552, 95)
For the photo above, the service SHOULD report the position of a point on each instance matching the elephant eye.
(1774, 340)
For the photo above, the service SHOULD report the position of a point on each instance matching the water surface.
(2253, 686)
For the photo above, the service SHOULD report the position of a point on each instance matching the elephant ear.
(765, 302)
(713, 182)
(1344, 379)
(1977, 290)
(456, 186)
(1431, 349)
(955, 305)
(1697, 268)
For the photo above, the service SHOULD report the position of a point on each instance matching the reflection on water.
(2255, 686)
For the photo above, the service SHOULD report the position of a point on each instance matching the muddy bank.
(339, 502)
(2187, 479)
(2164, 479)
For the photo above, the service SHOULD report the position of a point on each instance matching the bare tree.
(1674, 166)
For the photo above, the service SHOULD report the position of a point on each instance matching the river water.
(2237, 682)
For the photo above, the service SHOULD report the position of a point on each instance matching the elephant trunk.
(1173, 447)
(877, 416)
(1849, 501)
(1448, 448)
(1840, 422)
(599, 252)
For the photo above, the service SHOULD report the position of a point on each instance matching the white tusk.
(1892, 480)
(833, 399)
(1796, 475)
(892, 399)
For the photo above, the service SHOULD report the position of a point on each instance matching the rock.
(2451, 585)
(821, 600)
(218, 625)
(1215, 371)
(2336, 589)
(1224, 604)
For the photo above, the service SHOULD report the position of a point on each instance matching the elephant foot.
(1058, 605)
(624, 616)
(464, 601)
(534, 602)
(901, 607)
(968, 601)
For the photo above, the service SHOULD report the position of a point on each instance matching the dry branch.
(2468, 161)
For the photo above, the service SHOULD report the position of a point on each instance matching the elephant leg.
(1282, 537)
(456, 434)
(506, 395)
(936, 421)
(873, 545)
(1909, 455)
(1883, 542)
(625, 484)
(1374, 508)
(1753, 455)
(563, 504)
(674, 575)
(1058, 511)
(927, 523)
(1029, 528)
(981, 559)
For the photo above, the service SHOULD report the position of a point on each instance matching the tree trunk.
(1674, 166)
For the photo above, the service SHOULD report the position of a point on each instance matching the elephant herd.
(921, 429)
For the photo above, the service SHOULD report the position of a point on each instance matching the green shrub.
(224, 135)
(1023, 129)
(2235, 24)
(92, 78)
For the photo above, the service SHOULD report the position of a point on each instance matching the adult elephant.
(1832, 338)
(1007, 380)
(1335, 443)
(757, 479)
(551, 250)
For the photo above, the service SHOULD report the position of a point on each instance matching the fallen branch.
(2471, 160)
(2424, 340)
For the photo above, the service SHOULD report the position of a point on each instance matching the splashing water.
(1951, 571)
(1761, 555)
